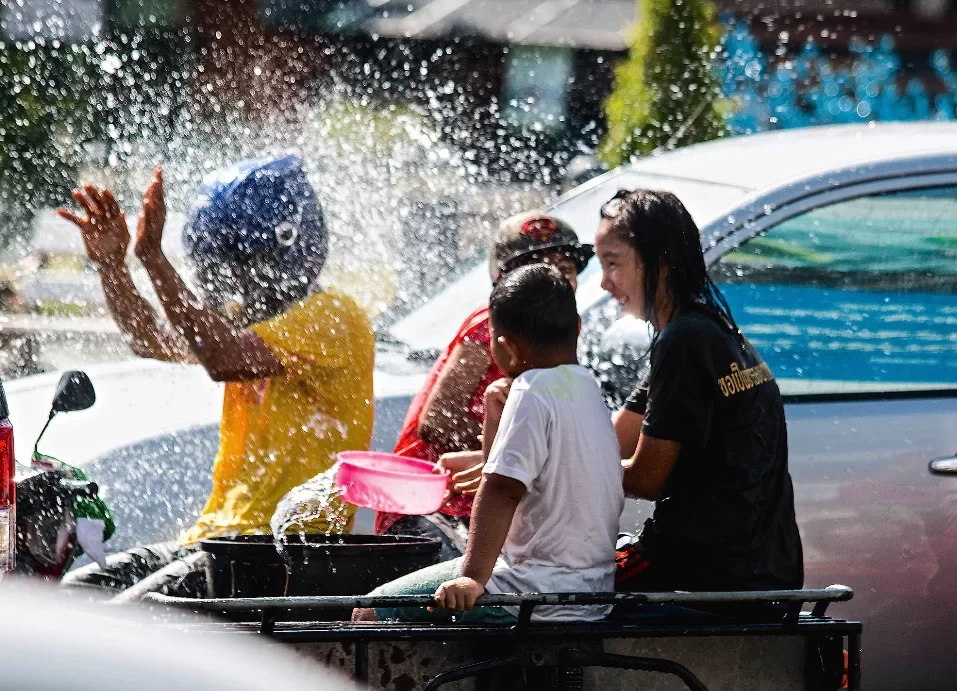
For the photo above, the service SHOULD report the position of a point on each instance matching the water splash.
(409, 158)
(314, 500)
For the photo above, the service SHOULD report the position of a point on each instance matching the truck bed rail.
(531, 645)
(821, 596)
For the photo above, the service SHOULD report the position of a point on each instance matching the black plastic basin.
(250, 566)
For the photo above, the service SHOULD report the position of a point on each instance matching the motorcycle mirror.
(74, 392)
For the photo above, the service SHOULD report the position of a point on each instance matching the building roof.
(594, 24)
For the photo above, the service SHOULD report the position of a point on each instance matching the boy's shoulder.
(570, 383)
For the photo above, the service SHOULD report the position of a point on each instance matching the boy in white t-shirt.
(546, 515)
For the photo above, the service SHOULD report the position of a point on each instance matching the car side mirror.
(74, 392)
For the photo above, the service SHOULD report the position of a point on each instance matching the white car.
(96, 648)
(837, 250)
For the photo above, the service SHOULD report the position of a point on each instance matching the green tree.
(666, 93)
(45, 116)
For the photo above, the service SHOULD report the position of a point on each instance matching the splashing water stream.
(310, 501)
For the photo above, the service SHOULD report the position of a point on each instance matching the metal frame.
(834, 593)
(542, 645)
(570, 658)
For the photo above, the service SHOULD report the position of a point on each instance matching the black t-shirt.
(725, 519)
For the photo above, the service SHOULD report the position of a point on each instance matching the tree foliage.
(45, 116)
(666, 93)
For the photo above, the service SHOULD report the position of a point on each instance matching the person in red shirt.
(444, 421)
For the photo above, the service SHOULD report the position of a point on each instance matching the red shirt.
(474, 329)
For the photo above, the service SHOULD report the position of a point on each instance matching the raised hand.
(149, 229)
(106, 236)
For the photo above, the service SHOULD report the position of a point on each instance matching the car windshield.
(433, 324)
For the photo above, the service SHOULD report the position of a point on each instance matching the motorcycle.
(59, 513)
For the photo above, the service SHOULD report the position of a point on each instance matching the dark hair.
(536, 304)
(662, 231)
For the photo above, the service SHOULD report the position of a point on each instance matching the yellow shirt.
(280, 432)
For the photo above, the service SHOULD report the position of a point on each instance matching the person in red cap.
(444, 420)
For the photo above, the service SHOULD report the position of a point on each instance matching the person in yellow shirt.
(297, 363)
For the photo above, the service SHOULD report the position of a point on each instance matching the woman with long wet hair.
(703, 434)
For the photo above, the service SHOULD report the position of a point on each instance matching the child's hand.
(104, 231)
(459, 595)
(465, 468)
(495, 396)
(457, 461)
(149, 230)
(467, 482)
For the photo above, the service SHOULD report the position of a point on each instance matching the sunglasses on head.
(612, 207)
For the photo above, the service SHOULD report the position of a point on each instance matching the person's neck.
(665, 311)
(549, 360)
(264, 309)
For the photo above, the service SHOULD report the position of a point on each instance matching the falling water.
(398, 164)
(315, 500)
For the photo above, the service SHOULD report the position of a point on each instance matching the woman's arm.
(649, 469)
(227, 353)
(628, 430)
(445, 421)
(650, 460)
(467, 466)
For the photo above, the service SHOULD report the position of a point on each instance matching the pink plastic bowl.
(390, 483)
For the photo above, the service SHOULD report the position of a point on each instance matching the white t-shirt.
(556, 438)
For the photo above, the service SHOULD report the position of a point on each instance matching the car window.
(433, 323)
(856, 296)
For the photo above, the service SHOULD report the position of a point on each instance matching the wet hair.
(660, 229)
(536, 305)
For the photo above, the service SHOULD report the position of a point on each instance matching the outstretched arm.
(106, 238)
(466, 469)
(227, 353)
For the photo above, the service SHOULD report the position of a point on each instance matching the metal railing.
(834, 593)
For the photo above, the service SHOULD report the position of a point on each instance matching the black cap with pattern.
(524, 236)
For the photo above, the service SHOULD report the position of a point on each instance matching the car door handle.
(944, 466)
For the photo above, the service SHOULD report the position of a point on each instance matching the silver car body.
(871, 514)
